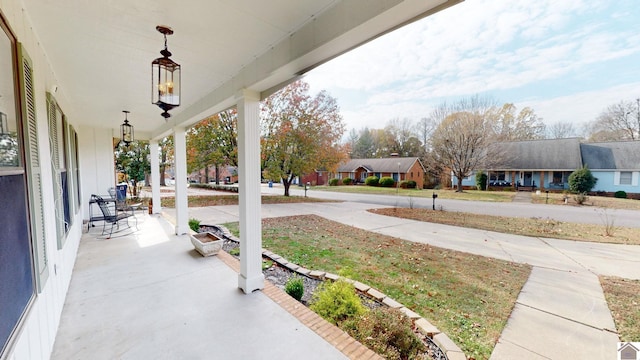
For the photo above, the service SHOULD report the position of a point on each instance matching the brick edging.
(451, 350)
(339, 339)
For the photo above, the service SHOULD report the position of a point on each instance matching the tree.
(461, 141)
(423, 129)
(561, 130)
(617, 122)
(166, 156)
(301, 133)
(582, 180)
(401, 137)
(509, 126)
(133, 161)
(213, 142)
(364, 147)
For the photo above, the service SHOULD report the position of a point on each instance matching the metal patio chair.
(112, 215)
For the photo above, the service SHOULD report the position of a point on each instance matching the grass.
(217, 200)
(623, 297)
(596, 201)
(494, 196)
(468, 297)
(535, 227)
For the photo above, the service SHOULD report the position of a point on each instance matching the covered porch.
(147, 294)
(68, 70)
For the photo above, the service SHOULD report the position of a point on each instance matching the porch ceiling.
(101, 50)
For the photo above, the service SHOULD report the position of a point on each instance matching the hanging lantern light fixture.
(126, 130)
(165, 78)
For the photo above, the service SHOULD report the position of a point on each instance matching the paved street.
(569, 213)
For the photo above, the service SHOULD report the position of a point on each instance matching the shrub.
(334, 182)
(408, 184)
(582, 181)
(386, 331)
(581, 198)
(294, 287)
(371, 181)
(235, 251)
(481, 181)
(387, 181)
(266, 264)
(620, 194)
(194, 224)
(337, 301)
(347, 181)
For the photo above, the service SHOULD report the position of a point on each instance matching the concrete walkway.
(522, 197)
(561, 312)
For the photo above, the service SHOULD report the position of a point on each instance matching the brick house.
(398, 168)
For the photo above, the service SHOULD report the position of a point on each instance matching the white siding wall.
(36, 336)
(97, 167)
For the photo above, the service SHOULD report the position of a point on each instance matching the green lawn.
(466, 296)
(496, 196)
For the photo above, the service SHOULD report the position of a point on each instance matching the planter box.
(207, 244)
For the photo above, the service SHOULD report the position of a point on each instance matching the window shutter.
(54, 145)
(34, 176)
(634, 178)
(616, 178)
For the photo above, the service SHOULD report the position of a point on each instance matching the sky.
(566, 59)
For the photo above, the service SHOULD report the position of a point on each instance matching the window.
(497, 176)
(16, 256)
(63, 179)
(625, 177)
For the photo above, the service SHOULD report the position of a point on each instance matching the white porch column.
(250, 277)
(182, 206)
(154, 154)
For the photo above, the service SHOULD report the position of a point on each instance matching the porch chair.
(120, 198)
(113, 217)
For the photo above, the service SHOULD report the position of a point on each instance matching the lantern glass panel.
(166, 82)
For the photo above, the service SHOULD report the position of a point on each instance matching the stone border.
(451, 350)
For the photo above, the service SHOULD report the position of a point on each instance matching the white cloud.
(484, 46)
(582, 107)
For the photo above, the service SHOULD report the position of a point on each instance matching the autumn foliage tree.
(213, 142)
(300, 133)
(509, 125)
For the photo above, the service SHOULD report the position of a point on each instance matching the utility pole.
(638, 103)
(398, 182)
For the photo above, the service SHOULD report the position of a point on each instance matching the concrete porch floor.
(148, 294)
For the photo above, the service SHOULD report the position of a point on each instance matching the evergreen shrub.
(337, 301)
(371, 181)
(620, 194)
(387, 181)
(294, 287)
